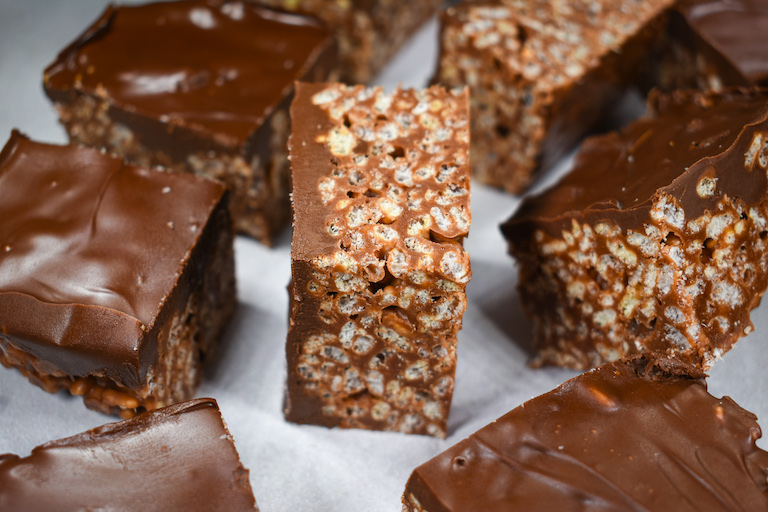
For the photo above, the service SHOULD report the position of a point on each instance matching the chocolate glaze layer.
(91, 250)
(627, 436)
(177, 458)
(216, 67)
(737, 29)
(618, 174)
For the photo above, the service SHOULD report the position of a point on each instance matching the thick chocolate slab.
(107, 285)
(201, 86)
(381, 205)
(625, 436)
(655, 241)
(180, 458)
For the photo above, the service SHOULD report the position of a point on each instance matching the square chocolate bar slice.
(714, 43)
(368, 33)
(180, 458)
(656, 240)
(381, 206)
(201, 86)
(541, 74)
(116, 281)
(630, 435)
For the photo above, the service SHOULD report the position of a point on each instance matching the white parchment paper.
(304, 468)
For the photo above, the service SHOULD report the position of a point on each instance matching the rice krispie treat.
(381, 205)
(201, 86)
(541, 74)
(656, 240)
(116, 282)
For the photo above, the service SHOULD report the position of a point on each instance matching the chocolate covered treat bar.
(180, 458)
(368, 33)
(541, 74)
(116, 281)
(626, 436)
(380, 208)
(201, 86)
(715, 43)
(656, 240)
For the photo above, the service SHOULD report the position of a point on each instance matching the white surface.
(304, 468)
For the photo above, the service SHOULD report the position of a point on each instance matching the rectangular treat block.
(711, 44)
(180, 458)
(116, 281)
(380, 205)
(625, 436)
(201, 86)
(656, 240)
(541, 74)
(368, 33)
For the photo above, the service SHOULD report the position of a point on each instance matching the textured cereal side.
(374, 319)
(541, 73)
(681, 283)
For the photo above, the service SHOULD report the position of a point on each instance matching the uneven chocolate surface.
(622, 171)
(626, 436)
(213, 66)
(90, 251)
(737, 29)
(180, 458)
(655, 241)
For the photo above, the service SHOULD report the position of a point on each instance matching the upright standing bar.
(380, 208)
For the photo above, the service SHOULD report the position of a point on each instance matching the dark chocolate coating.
(623, 437)
(652, 178)
(617, 175)
(215, 68)
(180, 458)
(91, 251)
(736, 29)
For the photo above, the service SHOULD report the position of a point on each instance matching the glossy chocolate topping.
(214, 66)
(180, 458)
(619, 438)
(738, 29)
(623, 171)
(91, 248)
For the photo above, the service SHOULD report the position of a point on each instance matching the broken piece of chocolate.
(625, 436)
(541, 74)
(201, 86)
(116, 282)
(656, 240)
(381, 206)
(180, 458)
